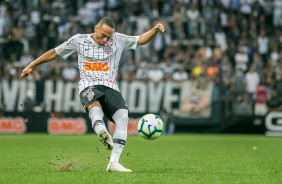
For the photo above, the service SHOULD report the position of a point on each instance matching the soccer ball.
(150, 126)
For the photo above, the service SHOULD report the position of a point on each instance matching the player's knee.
(96, 114)
(121, 118)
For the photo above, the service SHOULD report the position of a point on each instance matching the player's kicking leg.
(121, 120)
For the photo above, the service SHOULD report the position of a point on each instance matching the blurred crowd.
(235, 43)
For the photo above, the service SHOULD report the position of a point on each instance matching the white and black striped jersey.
(98, 65)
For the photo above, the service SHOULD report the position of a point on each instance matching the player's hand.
(25, 72)
(160, 27)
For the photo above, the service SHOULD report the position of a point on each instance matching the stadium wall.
(57, 109)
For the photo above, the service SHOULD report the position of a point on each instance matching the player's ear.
(95, 28)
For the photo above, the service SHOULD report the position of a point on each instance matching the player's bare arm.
(149, 35)
(47, 56)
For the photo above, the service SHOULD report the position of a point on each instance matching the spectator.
(52, 36)
(178, 19)
(246, 7)
(13, 48)
(70, 73)
(274, 55)
(129, 75)
(142, 71)
(263, 45)
(252, 81)
(180, 75)
(155, 74)
(160, 43)
(238, 83)
(277, 13)
(193, 16)
(225, 65)
(168, 66)
(242, 59)
(258, 63)
(220, 38)
(191, 38)
(25, 59)
(55, 71)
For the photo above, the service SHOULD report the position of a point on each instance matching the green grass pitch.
(183, 158)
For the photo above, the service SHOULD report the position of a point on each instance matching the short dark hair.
(108, 21)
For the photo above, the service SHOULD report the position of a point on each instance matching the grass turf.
(191, 158)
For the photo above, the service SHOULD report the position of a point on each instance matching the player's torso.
(98, 65)
(95, 58)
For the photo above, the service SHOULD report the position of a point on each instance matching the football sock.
(121, 120)
(96, 115)
(117, 149)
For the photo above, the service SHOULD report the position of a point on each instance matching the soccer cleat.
(106, 139)
(117, 167)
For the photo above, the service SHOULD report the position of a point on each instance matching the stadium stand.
(217, 40)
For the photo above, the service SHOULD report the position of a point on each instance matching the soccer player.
(99, 55)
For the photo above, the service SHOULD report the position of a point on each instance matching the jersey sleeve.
(67, 48)
(128, 42)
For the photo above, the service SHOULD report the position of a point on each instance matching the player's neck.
(93, 37)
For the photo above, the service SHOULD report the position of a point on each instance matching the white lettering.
(71, 101)
(137, 97)
(155, 91)
(169, 97)
(270, 124)
(52, 95)
(23, 87)
(10, 93)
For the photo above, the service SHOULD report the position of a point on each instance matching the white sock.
(116, 152)
(96, 115)
(121, 120)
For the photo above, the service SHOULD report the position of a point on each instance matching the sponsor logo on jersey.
(96, 66)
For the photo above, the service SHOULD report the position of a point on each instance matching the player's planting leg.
(121, 120)
(96, 115)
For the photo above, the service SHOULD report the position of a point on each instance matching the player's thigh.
(89, 95)
(113, 101)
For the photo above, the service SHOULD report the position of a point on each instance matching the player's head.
(104, 30)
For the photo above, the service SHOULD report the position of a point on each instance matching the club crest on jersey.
(89, 94)
(108, 49)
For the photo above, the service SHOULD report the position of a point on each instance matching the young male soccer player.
(98, 60)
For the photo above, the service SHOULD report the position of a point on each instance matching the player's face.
(103, 34)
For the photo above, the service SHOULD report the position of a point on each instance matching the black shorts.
(111, 100)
